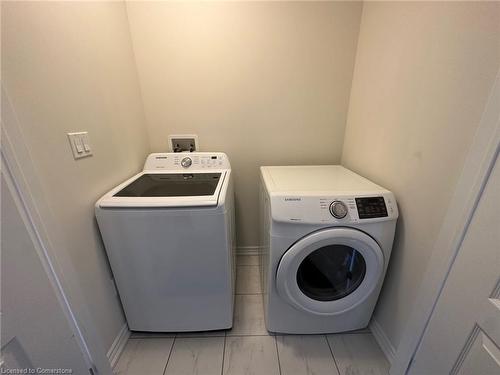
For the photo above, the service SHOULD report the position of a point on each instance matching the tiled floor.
(248, 348)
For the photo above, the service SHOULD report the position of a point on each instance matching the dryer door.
(330, 271)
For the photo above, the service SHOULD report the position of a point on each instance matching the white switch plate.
(80, 144)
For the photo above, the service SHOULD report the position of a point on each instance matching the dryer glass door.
(330, 271)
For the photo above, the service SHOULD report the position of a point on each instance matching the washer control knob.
(338, 209)
(186, 162)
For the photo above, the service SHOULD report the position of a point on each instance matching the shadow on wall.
(398, 252)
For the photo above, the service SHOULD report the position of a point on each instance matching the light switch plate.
(80, 144)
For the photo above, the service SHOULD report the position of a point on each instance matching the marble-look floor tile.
(196, 356)
(144, 357)
(251, 355)
(247, 280)
(247, 260)
(305, 355)
(358, 354)
(248, 316)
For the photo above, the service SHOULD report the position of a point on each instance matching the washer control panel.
(334, 209)
(187, 161)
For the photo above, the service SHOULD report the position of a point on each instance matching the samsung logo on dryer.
(293, 199)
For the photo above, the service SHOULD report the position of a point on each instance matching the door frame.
(20, 173)
(468, 191)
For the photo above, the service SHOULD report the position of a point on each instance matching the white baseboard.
(382, 340)
(118, 345)
(248, 250)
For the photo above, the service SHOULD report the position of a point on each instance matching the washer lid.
(171, 185)
(157, 189)
(330, 271)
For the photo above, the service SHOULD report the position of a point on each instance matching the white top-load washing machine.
(169, 236)
(326, 237)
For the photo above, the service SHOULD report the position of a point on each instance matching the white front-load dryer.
(326, 238)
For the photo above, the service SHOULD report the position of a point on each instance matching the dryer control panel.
(371, 207)
(341, 209)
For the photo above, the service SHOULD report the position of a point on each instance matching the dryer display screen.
(370, 208)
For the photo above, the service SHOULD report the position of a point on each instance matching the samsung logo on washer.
(293, 199)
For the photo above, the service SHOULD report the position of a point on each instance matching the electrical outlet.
(183, 143)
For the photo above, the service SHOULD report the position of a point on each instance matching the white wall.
(422, 76)
(266, 82)
(69, 66)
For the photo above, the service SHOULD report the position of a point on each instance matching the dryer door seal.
(330, 271)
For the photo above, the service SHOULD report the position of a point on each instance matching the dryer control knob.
(338, 209)
(186, 162)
